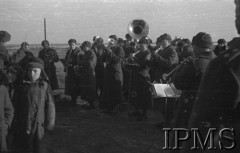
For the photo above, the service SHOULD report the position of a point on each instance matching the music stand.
(165, 91)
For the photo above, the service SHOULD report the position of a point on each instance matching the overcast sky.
(83, 19)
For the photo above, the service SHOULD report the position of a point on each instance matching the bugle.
(167, 76)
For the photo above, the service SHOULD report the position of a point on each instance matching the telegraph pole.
(45, 30)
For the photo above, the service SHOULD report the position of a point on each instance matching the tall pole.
(45, 33)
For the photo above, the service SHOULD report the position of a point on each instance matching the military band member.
(221, 47)
(141, 95)
(100, 50)
(217, 104)
(113, 76)
(86, 66)
(164, 59)
(49, 56)
(188, 77)
(127, 42)
(72, 80)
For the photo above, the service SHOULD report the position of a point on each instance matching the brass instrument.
(138, 28)
(166, 76)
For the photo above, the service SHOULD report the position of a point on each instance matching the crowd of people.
(122, 70)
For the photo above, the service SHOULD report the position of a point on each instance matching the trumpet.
(157, 50)
(166, 76)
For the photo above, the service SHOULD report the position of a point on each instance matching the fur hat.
(143, 40)
(120, 40)
(202, 40)
(45, 42)
(87, 44)
(35, 62)
(127, 36)
(24, 44)
(4, 36)
(165, 36)
(72, 41)
(221, 41)
(113, 37)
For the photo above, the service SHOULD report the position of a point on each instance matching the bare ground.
(90, 131)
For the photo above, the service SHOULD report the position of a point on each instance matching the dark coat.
(49, 66)
(187, 79)
(100, 52)
(114, 59)
(142, 58)
(163, 62)
(217, 103)
(21, 57)
(113, 77)
(72, 81)
(219, 50)
(35, 112)
(87, 63)
(4, 53)
(128, 51)
(141, 95)
(186, 52)
(6, 115)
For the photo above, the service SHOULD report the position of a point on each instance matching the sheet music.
(165, 90)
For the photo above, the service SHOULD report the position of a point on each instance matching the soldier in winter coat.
(113, 75)
(86, 66)
(22, 55)
(164, 59)
(72, 80)
(49, 56)
(217, 103)
(188, 78)
(141, 95)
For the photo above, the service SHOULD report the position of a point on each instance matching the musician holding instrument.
(164, 58)
(113, 76)
(49, 56)
(188, 77)
(72, 80)
(140, 94)
(99, 49)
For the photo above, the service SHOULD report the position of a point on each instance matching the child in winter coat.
(34, 108)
